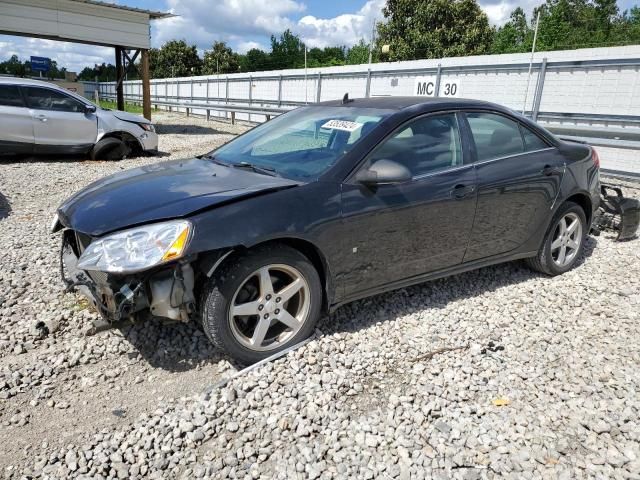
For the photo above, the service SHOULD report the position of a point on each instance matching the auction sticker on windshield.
(342, 125)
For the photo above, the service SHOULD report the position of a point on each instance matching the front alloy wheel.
(270, 307)
(262, 302)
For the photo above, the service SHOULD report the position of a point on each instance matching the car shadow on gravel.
(435, 294)
(5, 207)
(175, 347)
(42, 158)
(180, 347)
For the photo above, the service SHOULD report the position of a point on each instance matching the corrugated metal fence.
(590, 94)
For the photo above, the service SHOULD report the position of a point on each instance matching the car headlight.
(137, 248)
(147, 126)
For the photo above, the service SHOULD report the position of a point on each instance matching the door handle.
(548, 170)
(461, 191)
(42, 118)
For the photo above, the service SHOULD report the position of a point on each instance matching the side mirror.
(90, 109)
(384, 172)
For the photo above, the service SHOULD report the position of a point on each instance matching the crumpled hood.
(129, 117)
(160, 192)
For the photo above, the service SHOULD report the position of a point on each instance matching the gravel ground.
(497, 373)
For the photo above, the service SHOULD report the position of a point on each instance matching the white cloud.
(243, 24)
(73, 56)
(244, 47)
(346, 29)
(499, 11)
(203, 21)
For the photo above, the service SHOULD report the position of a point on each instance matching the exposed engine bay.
(167, 292)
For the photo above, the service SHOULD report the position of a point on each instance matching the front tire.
(261, 303)
(564, 242)
(110, 148)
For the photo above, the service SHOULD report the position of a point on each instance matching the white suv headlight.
(137, 248)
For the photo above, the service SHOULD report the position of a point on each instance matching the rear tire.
(563, 243)
(261, 303)
(109, 148)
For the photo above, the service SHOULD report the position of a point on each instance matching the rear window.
(10, 96)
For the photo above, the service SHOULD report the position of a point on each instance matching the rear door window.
(532, 142)
(49, 99)
(495, 136)
(10, 96)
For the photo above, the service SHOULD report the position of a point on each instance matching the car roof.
(399, 103)
(26, 81)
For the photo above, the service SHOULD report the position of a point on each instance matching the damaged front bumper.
(165, 292)
(617, 213)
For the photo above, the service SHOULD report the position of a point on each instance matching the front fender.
(304, 216)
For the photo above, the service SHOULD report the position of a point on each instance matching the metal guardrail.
(619, 138)
(595, 135)
(189, 106)
(238, 94)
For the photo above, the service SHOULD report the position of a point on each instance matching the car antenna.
(346, 98)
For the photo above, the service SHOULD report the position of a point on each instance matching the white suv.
(41, 118)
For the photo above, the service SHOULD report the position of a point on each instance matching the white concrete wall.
(601, 89)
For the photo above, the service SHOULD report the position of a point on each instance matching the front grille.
(82, 241)
(98, 277)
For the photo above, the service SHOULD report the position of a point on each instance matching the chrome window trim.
(514, 155)
(447, 170)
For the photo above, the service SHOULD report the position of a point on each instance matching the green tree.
(22, 68)
(513, 36)
(105, 73)
(255, 60)
(359, 53)
(13, 66)
(174, 59)
(325, 57)
(434, 28)
(287, 51)
(626, 28)
(220, 59)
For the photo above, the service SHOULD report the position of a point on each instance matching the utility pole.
(533, 49)
(373, 37)
(305, 73)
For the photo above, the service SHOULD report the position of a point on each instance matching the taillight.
(595, 157)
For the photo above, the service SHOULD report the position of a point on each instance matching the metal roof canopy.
(91, 22)
(82, 21)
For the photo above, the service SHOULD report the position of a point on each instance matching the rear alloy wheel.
(264, 302)
(563, 243)
(566, 240)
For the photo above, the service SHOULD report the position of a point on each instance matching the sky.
(245, 24)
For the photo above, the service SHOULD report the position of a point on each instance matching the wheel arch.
(307, 248)
(126, 137)
(584, 201)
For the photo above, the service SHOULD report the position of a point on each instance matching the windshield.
(304, 143)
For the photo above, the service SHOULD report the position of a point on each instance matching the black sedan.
(324, 205)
